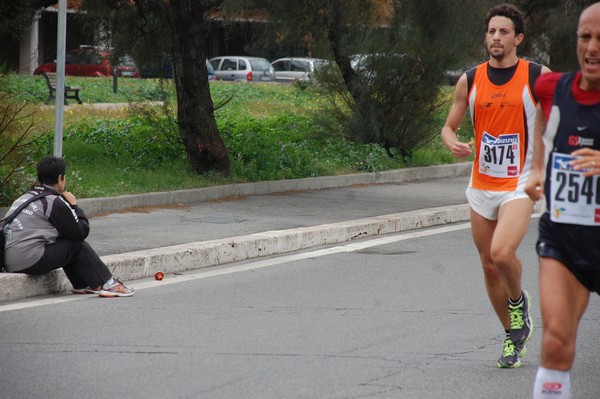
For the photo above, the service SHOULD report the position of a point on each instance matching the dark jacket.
(39, 225)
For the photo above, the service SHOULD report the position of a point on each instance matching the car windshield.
(90, 57)
(72, 58)
(260, 65)
(209, 67)
(126, 60)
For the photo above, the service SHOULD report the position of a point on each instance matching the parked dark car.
(92, 61)
(161, 66)
(157, 66)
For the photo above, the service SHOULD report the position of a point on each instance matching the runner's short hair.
(509, 11)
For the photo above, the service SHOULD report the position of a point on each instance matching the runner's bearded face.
(500, 38)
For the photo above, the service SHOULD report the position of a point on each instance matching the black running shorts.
(577, 247)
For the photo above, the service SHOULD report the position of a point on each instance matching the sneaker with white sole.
(511, 355)
(86, 290)
(117, 289)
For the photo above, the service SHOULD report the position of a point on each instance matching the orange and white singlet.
(503, 119)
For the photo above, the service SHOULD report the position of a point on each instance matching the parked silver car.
(242, 68)
(290, 69)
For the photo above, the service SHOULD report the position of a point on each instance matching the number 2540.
(569, 184)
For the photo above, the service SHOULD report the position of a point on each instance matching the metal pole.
(61, 38)
(115, 84)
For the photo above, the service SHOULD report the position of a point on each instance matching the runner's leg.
(563, 301)
(513, 221)
(482, 230)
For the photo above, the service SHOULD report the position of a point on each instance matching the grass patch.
(269, 131)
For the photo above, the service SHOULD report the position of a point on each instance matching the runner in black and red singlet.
(566, 169)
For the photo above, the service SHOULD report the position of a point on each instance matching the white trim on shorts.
(487, 203)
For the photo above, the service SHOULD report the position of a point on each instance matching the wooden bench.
(70, 91)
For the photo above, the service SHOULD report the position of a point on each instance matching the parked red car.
(92, 61)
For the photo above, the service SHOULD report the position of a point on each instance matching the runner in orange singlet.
(499, 96)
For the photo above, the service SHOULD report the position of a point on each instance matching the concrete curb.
(177, 258)
(198, 255)
(140, 264)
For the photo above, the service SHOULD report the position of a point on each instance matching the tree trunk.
(197, 126)
(334, 30)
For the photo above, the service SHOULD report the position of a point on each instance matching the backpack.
(7, 220)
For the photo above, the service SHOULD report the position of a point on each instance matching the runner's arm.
(535, 184)
(455, 117)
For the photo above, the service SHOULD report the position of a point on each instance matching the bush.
(269, 130)
(20, 146)
(144, 142)
(266, 149)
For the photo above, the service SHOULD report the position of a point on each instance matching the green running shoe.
(511, 355)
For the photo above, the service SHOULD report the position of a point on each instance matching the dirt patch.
(228, 198)
(142, 209)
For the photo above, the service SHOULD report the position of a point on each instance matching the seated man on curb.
(50, 233)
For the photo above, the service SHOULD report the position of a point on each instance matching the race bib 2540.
(575, 199)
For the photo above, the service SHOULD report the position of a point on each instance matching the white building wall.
(29, 51)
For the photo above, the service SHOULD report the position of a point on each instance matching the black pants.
(81, 264)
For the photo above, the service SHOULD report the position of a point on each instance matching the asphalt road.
(398, 316)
